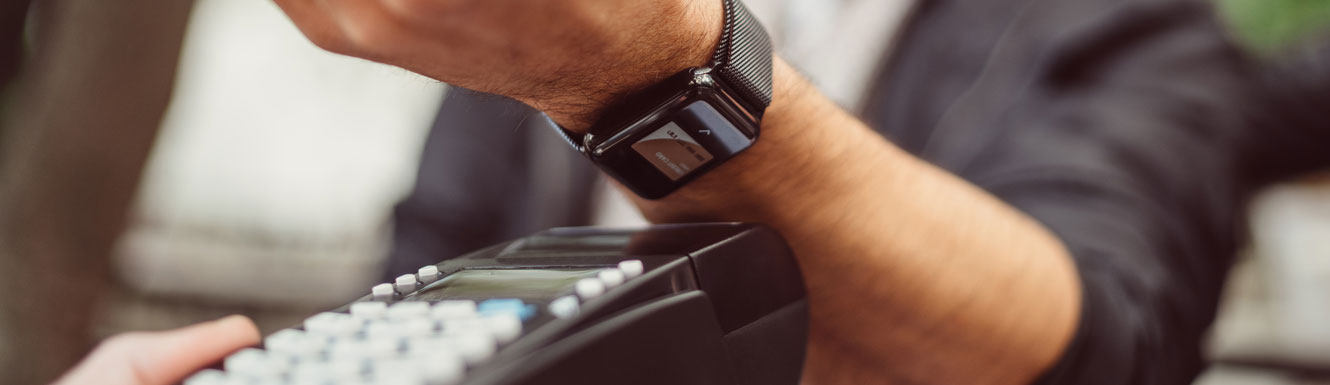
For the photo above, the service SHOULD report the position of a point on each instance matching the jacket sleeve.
(1112, 123)
(1290, 131)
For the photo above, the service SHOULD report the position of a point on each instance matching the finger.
(175, 354)
(375, 33)
(162, 358)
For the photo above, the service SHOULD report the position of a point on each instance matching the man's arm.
(1114, 124)
(1292, 127)
(913, 275)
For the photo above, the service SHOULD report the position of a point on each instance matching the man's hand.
(568, 58)
(162, 358)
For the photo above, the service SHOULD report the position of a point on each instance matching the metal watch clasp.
(702, 77)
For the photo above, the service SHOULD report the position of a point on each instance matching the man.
(1290, 128)
(1071, 111)
(817, 175)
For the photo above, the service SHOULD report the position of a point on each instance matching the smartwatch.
(658, 140)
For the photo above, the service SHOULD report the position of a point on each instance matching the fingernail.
(233, 320)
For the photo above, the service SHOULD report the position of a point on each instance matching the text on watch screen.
(672, 151)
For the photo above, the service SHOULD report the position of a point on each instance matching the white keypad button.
(565, 307)
(308, 381)
(429, 345)
(382, 368)
(311, 372)
(382, 291)
(441, 368)
(631, 268)
(207, 377)
(505, 327)
(334, 324)
(475, 348)
(589, 288)
(295, 345)
(428, 274)
(416, 327)
(252, 363)
(383, 348)
(394, 375)
(406, 283)
(382, 329)
(408, 309)
(348, 349)
(344, 369)
(611, 277)
(459, 326)
(454, 309)
(369, 310)
(283, 339)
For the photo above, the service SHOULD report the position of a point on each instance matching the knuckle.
(408, 7)
(328, 42)
(425, 8)
(324, 35)
(373, 35)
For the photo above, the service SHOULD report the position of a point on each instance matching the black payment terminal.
(669, 304)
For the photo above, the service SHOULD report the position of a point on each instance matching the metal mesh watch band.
(742, 63)
(743, 57)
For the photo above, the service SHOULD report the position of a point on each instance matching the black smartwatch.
(669, 134)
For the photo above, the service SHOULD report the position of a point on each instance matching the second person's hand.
(162, 358)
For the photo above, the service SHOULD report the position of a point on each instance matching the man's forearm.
(912, 273)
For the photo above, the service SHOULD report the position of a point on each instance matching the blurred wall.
(270, 189)
(77, 130)
(267, 192)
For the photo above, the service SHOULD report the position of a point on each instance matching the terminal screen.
(527, 284)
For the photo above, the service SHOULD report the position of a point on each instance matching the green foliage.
(1273, 26)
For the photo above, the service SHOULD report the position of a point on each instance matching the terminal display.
(528, 284)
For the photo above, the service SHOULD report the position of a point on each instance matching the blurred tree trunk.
(85, 112)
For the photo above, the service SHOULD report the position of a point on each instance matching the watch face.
(675, 143)
(672, 151)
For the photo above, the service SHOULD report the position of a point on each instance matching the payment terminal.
(669, 304)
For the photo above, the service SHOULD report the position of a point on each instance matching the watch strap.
(743, 57)
(742, 63)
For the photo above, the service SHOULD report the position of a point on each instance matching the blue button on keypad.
(507, 305)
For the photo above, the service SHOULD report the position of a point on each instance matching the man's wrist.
(652, 59)
(792, 144)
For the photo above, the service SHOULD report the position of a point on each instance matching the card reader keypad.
(404, 342)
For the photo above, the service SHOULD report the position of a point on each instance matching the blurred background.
(269, 187)
(1274, 322)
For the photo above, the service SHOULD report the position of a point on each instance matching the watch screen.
(672, 151)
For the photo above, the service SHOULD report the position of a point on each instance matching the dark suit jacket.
(1116, 124)
(1112, 122)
